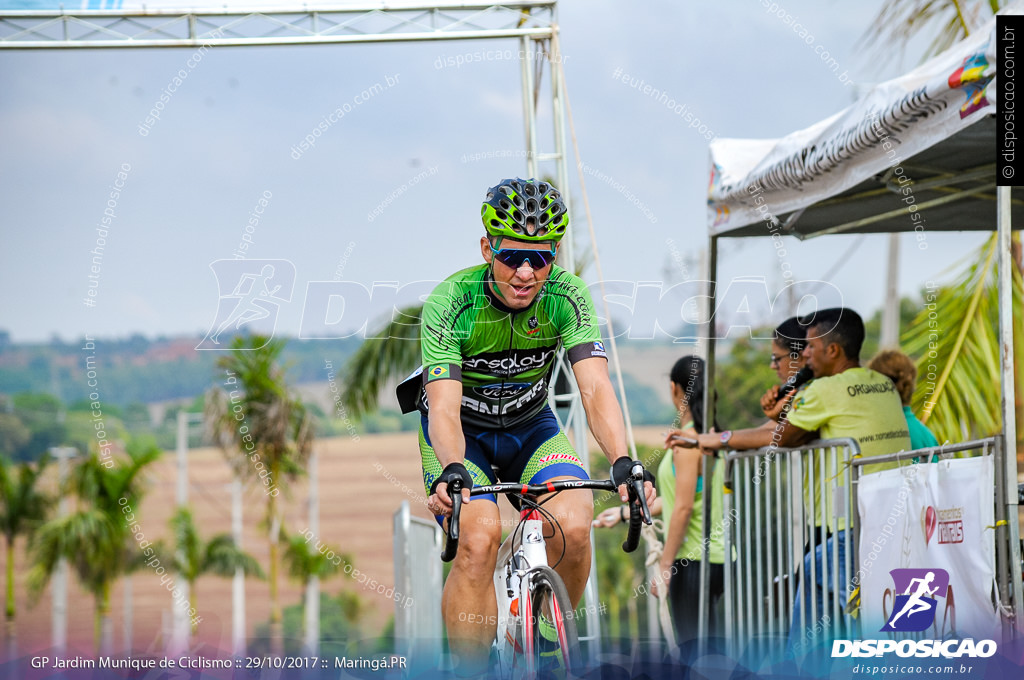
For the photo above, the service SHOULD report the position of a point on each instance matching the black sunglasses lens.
(515, 258)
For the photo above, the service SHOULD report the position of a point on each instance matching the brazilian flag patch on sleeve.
(438, 371)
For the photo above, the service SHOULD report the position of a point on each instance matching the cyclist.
(489, 338)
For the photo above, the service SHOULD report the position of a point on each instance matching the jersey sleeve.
(442, 332)
(576, 319)
(809, 411)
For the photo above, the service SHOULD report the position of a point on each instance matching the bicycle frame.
(523, 550)
(523, 556)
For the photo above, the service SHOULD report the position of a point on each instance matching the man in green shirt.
(844, 400)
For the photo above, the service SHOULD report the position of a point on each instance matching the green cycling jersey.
(504, 358)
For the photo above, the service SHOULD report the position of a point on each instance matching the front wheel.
(549, 639)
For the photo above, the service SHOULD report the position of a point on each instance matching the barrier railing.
(788, 504)
(1007, 538)
(794, 510)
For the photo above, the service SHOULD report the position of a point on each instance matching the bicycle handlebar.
(638, 510)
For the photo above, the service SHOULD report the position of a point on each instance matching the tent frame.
(1008, 576)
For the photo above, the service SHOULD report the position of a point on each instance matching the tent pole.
(1009, 471)
(706, 468)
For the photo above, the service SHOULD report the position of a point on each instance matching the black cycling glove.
(622, 470)
(452, 472)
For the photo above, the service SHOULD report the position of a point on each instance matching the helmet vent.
(531, 210)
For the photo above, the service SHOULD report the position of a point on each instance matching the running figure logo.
(251, 293)
(914, 609)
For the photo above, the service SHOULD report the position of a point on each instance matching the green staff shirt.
(857, 403)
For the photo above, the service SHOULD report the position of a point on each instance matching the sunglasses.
(517, 257)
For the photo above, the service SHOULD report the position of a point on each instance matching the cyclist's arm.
(603, 412)
(445, 428)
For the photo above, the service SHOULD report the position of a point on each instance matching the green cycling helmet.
(525, 209)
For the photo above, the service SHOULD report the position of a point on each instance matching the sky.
(390, 191)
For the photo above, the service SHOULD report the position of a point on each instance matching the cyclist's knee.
(576, 525)
(478, 543)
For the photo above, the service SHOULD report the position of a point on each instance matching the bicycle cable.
(547, 514)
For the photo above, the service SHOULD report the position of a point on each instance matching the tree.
(306, 563)
(191, 557)
(97, 540)
(394, 352)
(897, 22)
(958, 364)
(42, 414)
(22, 509)
(266, 432)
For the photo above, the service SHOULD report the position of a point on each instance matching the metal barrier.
(1007, 535)
(784, 503)
(418, 581)
(789, 504)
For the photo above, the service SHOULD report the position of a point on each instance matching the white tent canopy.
(916, 153)
(922, 141)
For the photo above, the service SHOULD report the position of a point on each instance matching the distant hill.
(140, 370)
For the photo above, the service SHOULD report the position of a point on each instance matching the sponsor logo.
(913, 611)
(948, 521)
(533, 323)
(500, 390)
(509, 363)
(914, 607)
(598, 346)
(970, 76)
(560, 457)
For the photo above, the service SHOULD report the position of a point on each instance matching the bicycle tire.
(549, 598)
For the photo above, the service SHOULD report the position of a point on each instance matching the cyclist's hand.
(622, 470)
(440, 503)
(609, 517)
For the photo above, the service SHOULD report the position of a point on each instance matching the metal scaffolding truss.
(528, 21)
(49, 29)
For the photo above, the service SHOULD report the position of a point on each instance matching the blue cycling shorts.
(531, 453)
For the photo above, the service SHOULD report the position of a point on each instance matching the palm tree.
(191, 557)
(306, 562)
(267, 434)
(957, 365)
(23, 508)
(897, 22)
(96, 540)
(392, 352)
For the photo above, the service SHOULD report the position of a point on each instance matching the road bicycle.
(537, 624)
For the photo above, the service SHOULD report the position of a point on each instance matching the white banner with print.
(936, 516)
